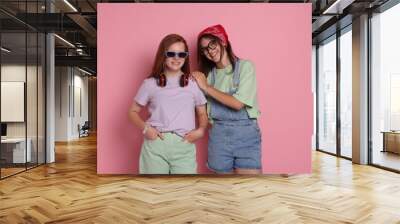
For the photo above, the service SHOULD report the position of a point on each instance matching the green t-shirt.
(247, 90)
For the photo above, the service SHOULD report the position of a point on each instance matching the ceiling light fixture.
(84, 71)
(70, 5)
(64, 40)
(337, 7)
(5, 50)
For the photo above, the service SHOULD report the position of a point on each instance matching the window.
(327, 95)
(22, 64)
(346, 75)
(385, 88)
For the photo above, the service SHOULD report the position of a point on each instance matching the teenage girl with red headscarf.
(230, 83)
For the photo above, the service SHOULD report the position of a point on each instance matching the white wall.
(33, 127)
(81, 102)
(71, 93)
(61, 103)
(16, 73)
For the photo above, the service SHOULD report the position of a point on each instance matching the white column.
(360, 90)
(50, 92)
(50, 100)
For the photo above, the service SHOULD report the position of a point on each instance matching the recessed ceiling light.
(5, 50)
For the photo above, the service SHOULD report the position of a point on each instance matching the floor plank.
(70, 191)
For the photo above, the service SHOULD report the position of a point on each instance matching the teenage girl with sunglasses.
(234, 144)
(173, 101)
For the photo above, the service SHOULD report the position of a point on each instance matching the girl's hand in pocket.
(194, 135)
(153, 134)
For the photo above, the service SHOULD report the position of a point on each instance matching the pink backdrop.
(276, 37)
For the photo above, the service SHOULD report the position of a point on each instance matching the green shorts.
(168, 156)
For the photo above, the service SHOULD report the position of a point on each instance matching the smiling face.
(211, 49)
(174, 64)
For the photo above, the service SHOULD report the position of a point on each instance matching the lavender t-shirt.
(172, 108)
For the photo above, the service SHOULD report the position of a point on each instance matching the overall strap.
(212, 79)
(236, 77)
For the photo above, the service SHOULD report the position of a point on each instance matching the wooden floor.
(5, 172)
(387, 159)
(70, 191)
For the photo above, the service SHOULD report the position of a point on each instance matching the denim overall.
(234, 139)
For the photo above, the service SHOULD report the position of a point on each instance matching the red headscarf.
(217, 31)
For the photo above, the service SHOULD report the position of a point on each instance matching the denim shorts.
(234, 144)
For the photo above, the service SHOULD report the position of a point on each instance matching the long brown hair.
(206, 65)
(166, 42)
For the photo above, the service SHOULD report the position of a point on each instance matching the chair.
(84, 130)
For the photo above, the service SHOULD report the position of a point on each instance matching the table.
(13, 150)
(391, 141)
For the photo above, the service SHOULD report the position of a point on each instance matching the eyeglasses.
(171, 54)
(210, 46)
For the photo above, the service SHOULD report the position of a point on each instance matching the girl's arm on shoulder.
(222, 97)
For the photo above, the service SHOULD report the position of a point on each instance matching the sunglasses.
(171, 54)
(210, 46)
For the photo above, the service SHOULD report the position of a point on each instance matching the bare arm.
(198, 133)
(151, 133)
(222, 97)
(202, 116)
(134, 116)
